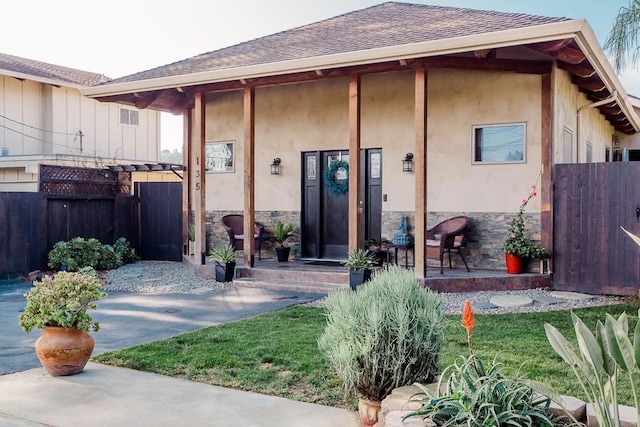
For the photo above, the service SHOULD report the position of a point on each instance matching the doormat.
(325, 263)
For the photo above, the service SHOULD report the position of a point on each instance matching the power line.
(42, 140)
(33, 127)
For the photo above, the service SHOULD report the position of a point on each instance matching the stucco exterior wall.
(594, 128)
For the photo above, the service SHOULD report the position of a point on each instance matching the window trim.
(129, 111)
(493, 125)
(208, 148)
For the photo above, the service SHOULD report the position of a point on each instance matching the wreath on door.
(334, 185)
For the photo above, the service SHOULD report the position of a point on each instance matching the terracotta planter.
(64, 351)
(514, 264)
(368, 411)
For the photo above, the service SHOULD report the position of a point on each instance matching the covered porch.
(325, 277)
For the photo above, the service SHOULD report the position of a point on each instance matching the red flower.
(468, 321)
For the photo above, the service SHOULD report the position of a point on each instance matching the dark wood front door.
(325, 215)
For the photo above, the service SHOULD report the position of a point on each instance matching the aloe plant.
(223, 254)
(601, 360)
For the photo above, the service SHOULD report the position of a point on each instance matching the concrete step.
(281, 285)
(289, 273)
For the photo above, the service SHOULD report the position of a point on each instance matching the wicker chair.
(445, 237)
(234, 224)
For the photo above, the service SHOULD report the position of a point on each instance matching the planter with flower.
(518, 247)
(58, 305)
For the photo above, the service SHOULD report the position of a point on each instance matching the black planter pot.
(358, 277)
(283, 254)
(378, 256)
(225, 272)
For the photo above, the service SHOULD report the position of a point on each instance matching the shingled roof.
(384, 25)
(29, 67)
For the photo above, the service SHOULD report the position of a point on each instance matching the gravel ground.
(157, 277)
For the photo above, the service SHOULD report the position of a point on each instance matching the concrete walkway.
(108, 396)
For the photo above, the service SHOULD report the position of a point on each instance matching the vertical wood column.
(355, 206)
(186, 182)
(546, 180)
(420, 168)
(249, 181)
(197, 175)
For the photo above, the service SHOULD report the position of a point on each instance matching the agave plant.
(601, 360)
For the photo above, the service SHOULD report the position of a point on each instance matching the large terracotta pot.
(514, 264)
(64, 351)
(368, 411)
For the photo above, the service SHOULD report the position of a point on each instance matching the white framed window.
(219, 156)
(501, 143)
(589, 153)
(129, 117)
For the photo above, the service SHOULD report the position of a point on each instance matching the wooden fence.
(31, 223)
(591, 253)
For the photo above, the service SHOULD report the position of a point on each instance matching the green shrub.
(386, 335)
(63, 300)
(124, 251)
(78, 252)
(470, 395)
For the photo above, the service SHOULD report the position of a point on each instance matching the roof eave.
(496, 39)
(53, 82)
(590, 46)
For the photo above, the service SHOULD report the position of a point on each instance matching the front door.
(325, 213)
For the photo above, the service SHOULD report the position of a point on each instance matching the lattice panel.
(56, 179)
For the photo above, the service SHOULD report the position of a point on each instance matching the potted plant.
(387, 335)
(58, 305)
(225, 260)
(359, 263)
(518, 247)
(375, 246)
(281, 232)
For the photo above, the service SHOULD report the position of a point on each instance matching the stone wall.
(217, 235)
(484, 236)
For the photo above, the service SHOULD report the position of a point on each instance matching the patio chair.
(234, 224)
(445, 237)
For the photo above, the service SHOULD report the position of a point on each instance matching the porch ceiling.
(567, 54)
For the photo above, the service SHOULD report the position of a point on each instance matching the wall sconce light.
(407, 163)
(275, 166)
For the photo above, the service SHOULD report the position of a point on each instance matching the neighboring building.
(487, 102)
(44, 119)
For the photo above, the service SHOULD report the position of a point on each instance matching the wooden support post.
(420, 168)
(197, 175)
(546, 180)
(355, 201)
(186, 181)
(249, 182)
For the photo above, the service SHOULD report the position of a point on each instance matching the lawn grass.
(277, 353)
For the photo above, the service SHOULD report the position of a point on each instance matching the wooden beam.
(420, 168)
(354, 162)
(584, 69)
(563, 50)
(593, 84)
(186, 181)
(197, 175)
(249, 181)
(546, 179)
(485, 53)
(148, 98)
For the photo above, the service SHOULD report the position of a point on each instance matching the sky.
(122, 37)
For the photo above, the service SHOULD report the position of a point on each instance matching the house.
(480, 104)
(44, 119)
